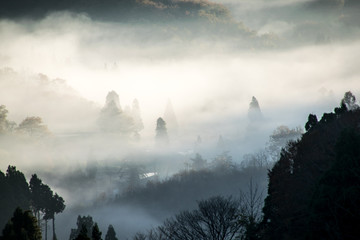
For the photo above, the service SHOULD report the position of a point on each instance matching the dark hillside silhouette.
(36, 196)
(302, 175)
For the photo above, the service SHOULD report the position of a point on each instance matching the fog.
(61, 67)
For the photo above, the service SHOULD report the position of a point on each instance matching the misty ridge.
(138, 116)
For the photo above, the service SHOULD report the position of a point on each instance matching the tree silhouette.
(254, 112)
(349, 101)
(113, 119)
(37, 196)
(14, 193)
(5, 124)
(312, 121)
(83, 233)
(110, 235)
(22, 226)
(215, 218)
(46, 198)
(33, 126)
(3, 118)
(161, 132)
(84, 224)
(251, 203)
(95, 233)
(55, 205)
(198, 163)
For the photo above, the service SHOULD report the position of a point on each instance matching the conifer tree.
(96, 234)
(110, 235)
(161, 132)
(22, 226)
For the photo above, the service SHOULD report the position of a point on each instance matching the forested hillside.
(314, 188)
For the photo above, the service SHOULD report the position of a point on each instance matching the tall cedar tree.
(56, 205)
(161, 132)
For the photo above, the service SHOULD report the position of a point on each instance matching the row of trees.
(36, 195)
(88, 230)
(45, 203)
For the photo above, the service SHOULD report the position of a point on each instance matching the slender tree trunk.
(46, 229)
(53, 226)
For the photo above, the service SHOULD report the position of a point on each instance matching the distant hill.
(129, 10)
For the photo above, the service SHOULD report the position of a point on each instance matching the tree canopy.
(22, 226)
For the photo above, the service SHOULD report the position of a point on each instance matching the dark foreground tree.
(96, 234)
(14, 192)
(83, 234)
(110, 235)
(335, 211)
(55, 205)
(22, 226)
(37, 203)
(312, 121)
(82, 222)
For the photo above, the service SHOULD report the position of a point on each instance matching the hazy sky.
(209, 80)
(95, 58)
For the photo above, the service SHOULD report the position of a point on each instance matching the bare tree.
(250, 212)
(215, 218)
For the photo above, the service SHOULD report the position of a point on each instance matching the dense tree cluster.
(37, 196)
(202, 180)
(314, 187)
(113, 119)
(22, 226)
(14, 193)
(87, 229)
